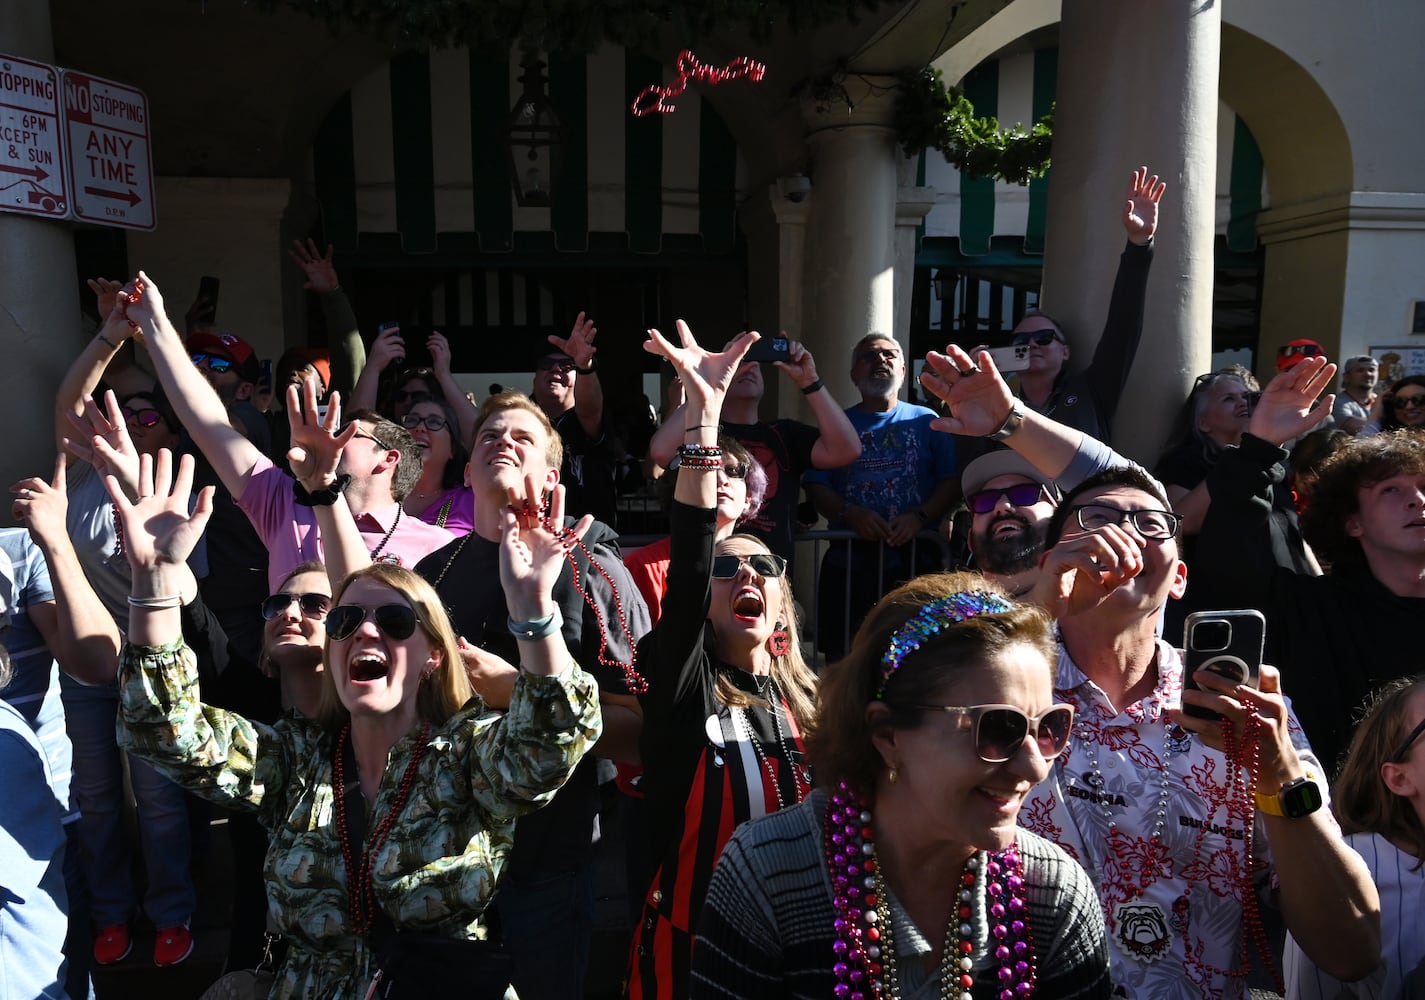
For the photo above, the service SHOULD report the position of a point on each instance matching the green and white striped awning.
(415, 151)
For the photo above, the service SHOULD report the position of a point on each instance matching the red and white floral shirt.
(1174, 908)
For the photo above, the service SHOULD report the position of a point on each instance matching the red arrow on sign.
(35, 173)
(131, 196)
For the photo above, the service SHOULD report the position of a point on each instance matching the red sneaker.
(112, 944)
(172, 945)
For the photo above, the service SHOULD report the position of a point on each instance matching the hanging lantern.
(534, 136)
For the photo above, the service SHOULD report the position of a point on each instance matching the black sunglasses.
(1019, 495)
(873, 354)
(411, 396)
(1305, 350)
(434, 422)
(1043, 338)
(1400, 755)
(1401, 402)
(397, 620)
(146, 417)
(999, 730)
(764, 564)
(314, 606)
(734, 470)
(216, 364)
(550, 364)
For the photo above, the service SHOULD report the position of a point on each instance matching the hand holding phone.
(1229, 643)
(769, 350)
(1009, 359)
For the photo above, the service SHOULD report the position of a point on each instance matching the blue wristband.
(538, 628)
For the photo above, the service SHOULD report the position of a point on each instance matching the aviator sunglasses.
(999, 730)
(216, 365)
(313, 606)
(396, 620)
(764, 564)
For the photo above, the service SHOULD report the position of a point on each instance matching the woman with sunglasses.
(1213, 418)
(728, 692)
(440, 496)
(293, 635)
(904, 874)
(1401, 407)
(411, 384)
(1379, 800)
(391, 812)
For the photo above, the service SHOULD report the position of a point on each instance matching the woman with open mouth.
(728, 692)
(392, 811)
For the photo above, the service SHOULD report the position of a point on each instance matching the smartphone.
(208, 294)
(264, 377)
(1011, 359)
(770, 349)
(390, 324)
(1228, 643)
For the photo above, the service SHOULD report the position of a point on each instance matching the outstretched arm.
(198, 407)
(86, 371)
(465, 411)
(387, 349)
(588, 390)
(348, 353)
(839, 443)
(76, 626)
(314, 457)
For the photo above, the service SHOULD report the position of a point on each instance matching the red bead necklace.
(360, 894)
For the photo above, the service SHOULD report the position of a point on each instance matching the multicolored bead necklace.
(361, 897)
(801, 778)
(863, 955)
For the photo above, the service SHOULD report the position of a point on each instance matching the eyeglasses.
(873, 354)
(1404, 750)
(764, 564)
(1401, 402)
(371, 437)
(434, 422)
(1019, 495)
(999, 730)
(1304, 350)
(397, 620)
(734, 470)
(1157, 525)
(144, 417)
(412, 396)
(314, 606)
(1043, 338)
(551, 364)
(215, 364)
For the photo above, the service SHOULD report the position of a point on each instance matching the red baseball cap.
(1295, 351)
(230, 346)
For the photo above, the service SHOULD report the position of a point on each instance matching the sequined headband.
(932, 619)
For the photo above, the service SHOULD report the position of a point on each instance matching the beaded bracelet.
(156, 603)
(699, 451)
(538, 628)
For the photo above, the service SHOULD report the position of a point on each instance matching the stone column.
(39, 288)
(912, 206)
(851, 255)
(1134, 89)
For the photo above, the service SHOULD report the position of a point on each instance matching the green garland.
(570, 25)
(928, 116)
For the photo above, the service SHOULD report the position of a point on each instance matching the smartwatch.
(1296, 799)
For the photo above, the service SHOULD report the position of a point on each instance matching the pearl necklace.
(864, 949)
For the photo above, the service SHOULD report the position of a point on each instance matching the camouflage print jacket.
(436, 871)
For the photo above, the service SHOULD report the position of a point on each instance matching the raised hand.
(102, 439)
(158, 529)
(977, 395)
(141, 303)
(388, 347)
(43, 507)
(800, 366)
(316, 445)
(1140, 215)
(106, 293)
(579, 345)
(1285, 409)
(534, 548)
(439, 349)
(705, 375)
(320, 271)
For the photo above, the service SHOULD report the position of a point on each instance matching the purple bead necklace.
(864, 961)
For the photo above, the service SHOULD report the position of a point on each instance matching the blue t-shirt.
(34, 692)
(902, 460)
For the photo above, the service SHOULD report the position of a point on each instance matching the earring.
(427, 673)
(780, 642)
(892, 775)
